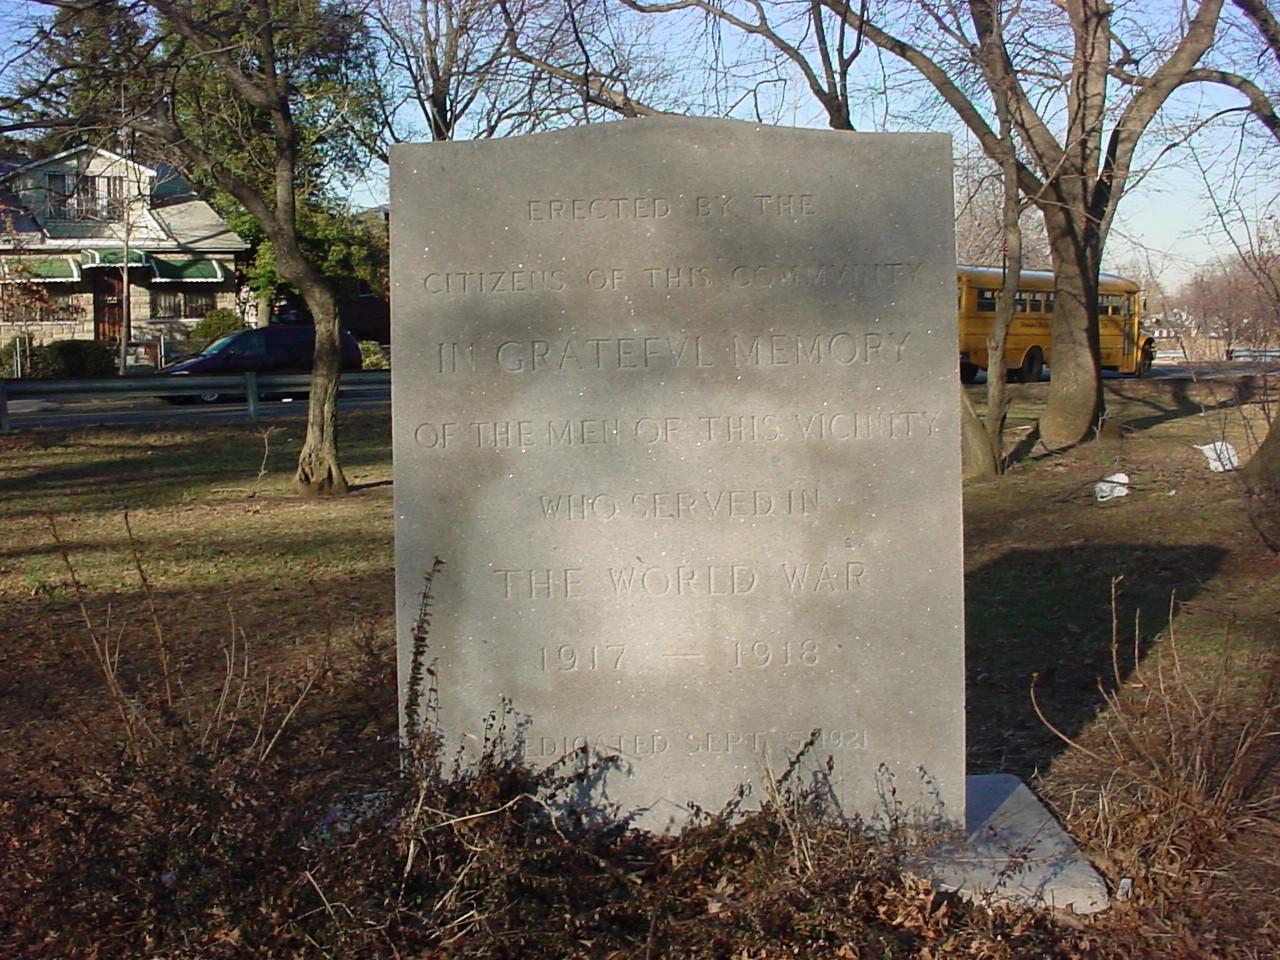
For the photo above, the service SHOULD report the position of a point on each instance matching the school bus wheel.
(1032, 368)
(1145, 359)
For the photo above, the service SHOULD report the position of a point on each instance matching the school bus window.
(1049, 299)
(1020, 302)
(986, 301)
(1111, 305)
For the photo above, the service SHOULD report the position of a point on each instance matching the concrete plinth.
(1015, 851)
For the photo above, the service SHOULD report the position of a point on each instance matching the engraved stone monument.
(675, 402)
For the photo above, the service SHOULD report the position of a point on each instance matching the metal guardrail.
(252, 386)
(1261, 354)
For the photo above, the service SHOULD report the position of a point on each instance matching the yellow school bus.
(1029, 348)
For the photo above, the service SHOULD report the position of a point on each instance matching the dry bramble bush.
(218, 830)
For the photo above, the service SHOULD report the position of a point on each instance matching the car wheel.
(968, 372)
(209, 397)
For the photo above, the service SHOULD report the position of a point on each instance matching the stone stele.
(675, 403)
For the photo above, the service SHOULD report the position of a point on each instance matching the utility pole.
(125, 306)
(126, 203)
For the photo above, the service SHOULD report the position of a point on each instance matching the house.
(96, 246)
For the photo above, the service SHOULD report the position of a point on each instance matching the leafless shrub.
(1182, 767)
(222, 830)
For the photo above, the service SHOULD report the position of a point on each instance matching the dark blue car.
(274, 349)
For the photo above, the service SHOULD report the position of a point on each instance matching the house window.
(115, 201)
(38, 308)
(59, 308)
(181, 304)
(60, 187)
(198, 303)
(99, 199)
(166, 305)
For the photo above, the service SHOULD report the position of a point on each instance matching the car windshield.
(217, 345)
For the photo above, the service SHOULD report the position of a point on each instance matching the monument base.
(1016, 852)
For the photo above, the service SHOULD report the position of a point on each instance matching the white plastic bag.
(1221, 456)
(1116, 485)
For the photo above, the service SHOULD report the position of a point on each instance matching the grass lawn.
(181, 558)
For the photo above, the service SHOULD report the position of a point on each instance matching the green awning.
(194, 270)
(112, 258)
(39, 270)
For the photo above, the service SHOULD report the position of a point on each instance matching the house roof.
(15, 219)
(195, 225)
(175, 220)
(60, 160)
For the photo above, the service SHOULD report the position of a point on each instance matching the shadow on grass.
(125, 467)
(1189, 398)
(1047, 614)
(249, 552)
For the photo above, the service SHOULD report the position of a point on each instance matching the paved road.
(1212, 371)
(29, 414)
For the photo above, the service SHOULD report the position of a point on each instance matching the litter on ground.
(1221, 456)
(1116, 485)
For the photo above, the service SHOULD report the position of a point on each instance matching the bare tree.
(1261, 474)
(477, 69)
(1077, 175)
(1233, 304)
(980, 230)
(599, 60)
(990, 60)
(450, 66)
(1256, 242)
(1055, 64)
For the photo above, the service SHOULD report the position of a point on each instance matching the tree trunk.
(997, 375)
(977, 456)
(991, 59)
(1261, 479)
(319, 472)
(1075, 407)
